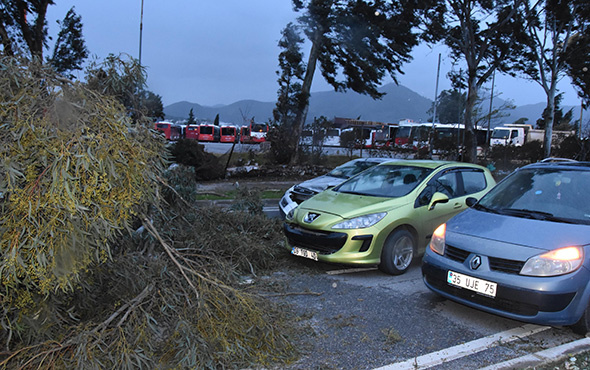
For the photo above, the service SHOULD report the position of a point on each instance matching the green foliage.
(122, 77)
(191, 118)
(282, 143)
(73, 176)
(290, 100)
(190, 153)
(70, 50)
(450, 106)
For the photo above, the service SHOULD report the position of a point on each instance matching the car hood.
(321, 183)
(345, 205)
(503, 229)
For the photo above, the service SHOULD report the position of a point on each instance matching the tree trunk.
(470, 144)
(306, 92)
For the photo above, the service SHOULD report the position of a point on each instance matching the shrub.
(190, 153)
(73, 175)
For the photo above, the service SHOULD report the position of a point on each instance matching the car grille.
(300, 194)
(496, 264)
(323, 242)
(507, 299)
(519, 308)
(456, 254)
(508, 266)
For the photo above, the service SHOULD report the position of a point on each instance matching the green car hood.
(343, 205)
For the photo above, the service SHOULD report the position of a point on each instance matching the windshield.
(350, 169)
(500, 134)
(206, 130)
(385, 181)
(555, 194)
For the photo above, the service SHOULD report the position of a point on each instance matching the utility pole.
(140, 31)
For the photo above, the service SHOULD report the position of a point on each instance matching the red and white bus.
(253, 133)
(192, 132)
(170, 130)
(208, 132)
(229, 134)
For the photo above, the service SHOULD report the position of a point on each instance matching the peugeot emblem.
(310, 217)
(475, 262)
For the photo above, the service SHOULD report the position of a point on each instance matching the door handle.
(457, 205)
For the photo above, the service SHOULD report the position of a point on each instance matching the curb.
(544, 357)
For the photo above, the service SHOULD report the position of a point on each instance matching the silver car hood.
(321, 183)
(516, 231)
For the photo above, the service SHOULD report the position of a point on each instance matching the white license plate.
(469, 282)
(304, 253)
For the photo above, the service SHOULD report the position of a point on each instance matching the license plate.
(304, 253)
(469, 282)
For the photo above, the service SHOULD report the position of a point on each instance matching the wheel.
(583, 325)
(398, 252)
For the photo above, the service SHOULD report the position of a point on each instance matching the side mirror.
(470, 201)
(437, 198)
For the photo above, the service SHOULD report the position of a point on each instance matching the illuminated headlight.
(437, 242)
(557, 262)
(360, 222)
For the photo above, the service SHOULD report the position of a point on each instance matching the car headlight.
(290, 215)
(437, 242)
(360, 222)
(556, 262)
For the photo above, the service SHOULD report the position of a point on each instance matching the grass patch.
(233, 194)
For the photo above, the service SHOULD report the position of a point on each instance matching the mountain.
(398, 103)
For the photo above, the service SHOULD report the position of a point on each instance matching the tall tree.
(356, 43)
(70, 50)
(290, 99)
(560, 121)
(450, 106)
(577, 51)
(122, 77)
(483, 34)
(191, 118)
(550, 24)
(23, 27)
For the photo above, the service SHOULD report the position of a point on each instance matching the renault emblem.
(310, 217)
(475, 262)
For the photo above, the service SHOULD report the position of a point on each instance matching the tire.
(398, 252)
(583, 325)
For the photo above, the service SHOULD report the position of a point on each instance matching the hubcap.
(403, 252)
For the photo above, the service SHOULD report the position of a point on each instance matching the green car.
(385, 215)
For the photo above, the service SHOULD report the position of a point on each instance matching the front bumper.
(558, 300)
(334, 247)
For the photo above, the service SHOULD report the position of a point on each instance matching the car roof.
(560, 163)
(429, 163)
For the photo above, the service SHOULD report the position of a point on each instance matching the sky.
(214, 52)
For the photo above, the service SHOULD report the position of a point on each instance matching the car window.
(473, 181)
(446, 183)
(554, 194)
(385, 181)
(350, 169)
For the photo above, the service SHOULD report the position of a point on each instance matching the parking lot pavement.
(364, 319)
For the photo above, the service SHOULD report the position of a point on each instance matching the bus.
(170, 130)
(192, 132)
(258, 132)
(208, 132)
(229, 134)
(253, 133)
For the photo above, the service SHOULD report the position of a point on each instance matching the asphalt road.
(364, 319)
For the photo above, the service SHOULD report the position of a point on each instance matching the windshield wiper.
(536, 215)
(351, 192)
(481, 207)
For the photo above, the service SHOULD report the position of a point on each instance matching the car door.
(448, 182)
